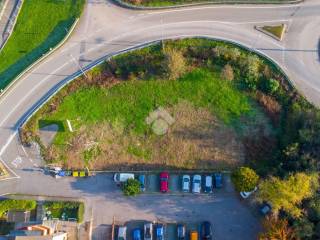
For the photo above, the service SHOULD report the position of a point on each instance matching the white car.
(208, 184)
(122, 177)
(186, 183)
(148, 231)
(247, 194)
(196, 184)
(122, 233)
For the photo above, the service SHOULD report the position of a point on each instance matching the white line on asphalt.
(24, 150)
(29, 93)
(8, 142)
(223, 7)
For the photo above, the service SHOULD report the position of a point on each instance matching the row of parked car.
(152, 231)
(194, 184)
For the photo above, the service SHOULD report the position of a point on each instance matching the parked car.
(148, 231)
(160, 232)
(194, 235)
(164, 182)
(196, 184)
(208, 184)
(181, 232)
(265, 208)
(218, 180)
(136, 234)
(142, 180)
(206, 231)
(186, 183)
(247, 194)
(122, 177)
(122, 233)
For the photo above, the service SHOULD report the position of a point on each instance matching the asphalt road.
(105, 30)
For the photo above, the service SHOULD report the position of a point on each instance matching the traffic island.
(275, 31)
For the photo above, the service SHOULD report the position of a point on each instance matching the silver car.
(186, 180)
(148, 231)
(196, 184)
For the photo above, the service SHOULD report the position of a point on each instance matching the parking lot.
(170, 229)
(152, 182)
(229, 216)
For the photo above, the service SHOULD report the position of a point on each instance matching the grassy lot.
(65, 210)
(40, 26)
(160, 3)
(225, 101)
(277, 31)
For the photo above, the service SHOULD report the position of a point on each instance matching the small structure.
(18, 216)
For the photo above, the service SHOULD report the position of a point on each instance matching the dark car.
(136, 234)
(181, 232)
(159, 232)
(218, 180)
(164, 182)
(142, 180)
(206, 231)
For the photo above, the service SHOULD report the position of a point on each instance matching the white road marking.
(16, 162)
(8, 142)
(224, 7)
(24, 150)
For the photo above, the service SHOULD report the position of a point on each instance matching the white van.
(122, 177)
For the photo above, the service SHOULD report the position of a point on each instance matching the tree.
(303, 228)
(227, 72)
(276, 229)
(252, 67)
(131, 187)
(287, 194)
(272, 85)
(313, 209)
(244, 179)
(176, 63)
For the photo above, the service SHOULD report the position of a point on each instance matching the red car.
(164, 182)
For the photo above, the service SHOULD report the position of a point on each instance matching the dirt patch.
(196, 140)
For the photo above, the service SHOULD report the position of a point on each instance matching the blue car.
(218, 180)
(159, 232)
(136, 234)
(142, 180)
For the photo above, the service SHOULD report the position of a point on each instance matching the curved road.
(106, 29)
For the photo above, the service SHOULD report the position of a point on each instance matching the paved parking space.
(175, 183)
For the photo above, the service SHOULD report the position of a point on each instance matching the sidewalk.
(5, 14)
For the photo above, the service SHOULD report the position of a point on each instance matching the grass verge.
(41, 25)
(168, 3)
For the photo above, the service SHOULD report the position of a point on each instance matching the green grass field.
(131, 102)
(41, 25)
(161, 3)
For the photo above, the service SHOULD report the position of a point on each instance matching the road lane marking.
(155, 12)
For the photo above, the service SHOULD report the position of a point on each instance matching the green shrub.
(131, 187)
(244, 179)
(12, 204)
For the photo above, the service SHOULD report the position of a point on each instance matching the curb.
(3, 92)
(135, 7)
